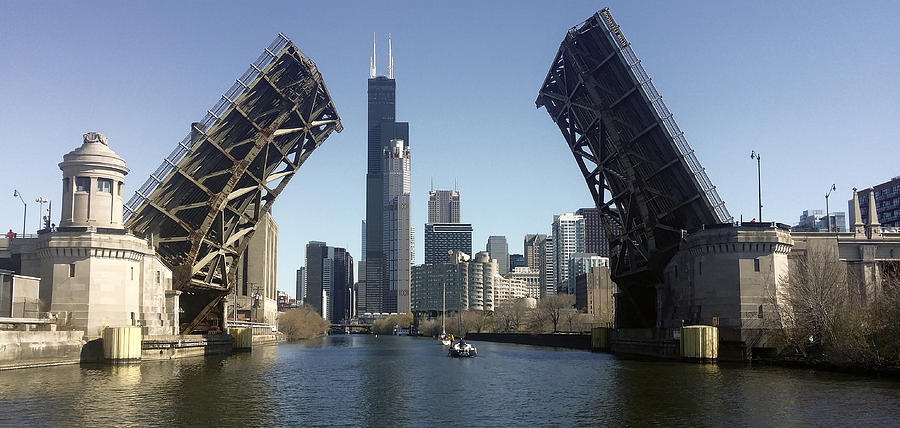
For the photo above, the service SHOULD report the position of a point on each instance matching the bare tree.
(430, 327)
(302, 323)
(808, 299)
(535, 321)
(552, 307)
(571, 317)
(510, 315)
(386, 325)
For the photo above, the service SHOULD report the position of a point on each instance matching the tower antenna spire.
(372, 59)
(390, 59)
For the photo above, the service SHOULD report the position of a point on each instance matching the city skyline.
(144, 120)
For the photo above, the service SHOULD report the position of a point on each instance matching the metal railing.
(676, 135)
(226, 101)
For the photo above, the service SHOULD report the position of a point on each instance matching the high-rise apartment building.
(442, 238)
(534, 250)
(548, 268)
(341, 266)
(498, 249)
(887, 203)
(595, 240)
(540, 254)
(300, 285)
(580, 263)
(388, 233)
(815, 221)
(397, 233)
(568, 239)
(470, 283)
(435, 286)
(329, 280)
(443, 206)
(516, 260)
(532, 278)
(482, 273)
(509, 288)
(594, 292)
(361, 287)
(316, 252)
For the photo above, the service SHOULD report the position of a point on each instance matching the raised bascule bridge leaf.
(201, 206)
(642, 173)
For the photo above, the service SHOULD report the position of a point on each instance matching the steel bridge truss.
(202, 205)
(641, 171)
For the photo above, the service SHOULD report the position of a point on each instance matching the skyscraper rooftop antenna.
(372, 59)
(390, 59)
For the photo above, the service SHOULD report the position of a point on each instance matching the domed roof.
(94, 152)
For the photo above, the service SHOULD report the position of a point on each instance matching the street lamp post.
(41, 201)
(255, 305)
(24, 209)
(755, 155)
(828, 213)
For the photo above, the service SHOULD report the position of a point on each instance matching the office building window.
(756, 265)
(71, 270)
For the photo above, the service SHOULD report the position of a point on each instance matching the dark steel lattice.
(202, 204)
(628, 147)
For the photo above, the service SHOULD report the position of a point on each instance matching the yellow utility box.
(243, 337)
(600, 339)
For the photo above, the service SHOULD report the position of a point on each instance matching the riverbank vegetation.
(386, 325)
(302, 323)
(553, 314)
(826, 313)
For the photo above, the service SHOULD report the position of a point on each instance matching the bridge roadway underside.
(641, 172)
(202, 205)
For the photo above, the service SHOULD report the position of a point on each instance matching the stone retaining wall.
(573, 341)
(20, 349)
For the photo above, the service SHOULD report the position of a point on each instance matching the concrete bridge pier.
(122, 344)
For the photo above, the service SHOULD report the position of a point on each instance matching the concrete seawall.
(20, 349)
(564, 340)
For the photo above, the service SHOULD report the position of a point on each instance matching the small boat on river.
(461, 349)
(446, 339)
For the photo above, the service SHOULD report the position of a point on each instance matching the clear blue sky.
(813, 86)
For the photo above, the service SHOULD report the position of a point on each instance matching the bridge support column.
(122, 344)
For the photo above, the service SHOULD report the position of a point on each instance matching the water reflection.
(391, 381)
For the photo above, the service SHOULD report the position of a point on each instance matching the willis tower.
(388, 232)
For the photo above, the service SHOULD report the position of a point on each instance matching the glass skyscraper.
(387, 233)
(443, 206)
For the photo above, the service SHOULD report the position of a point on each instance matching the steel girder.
(639, 168)
(203, 203)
